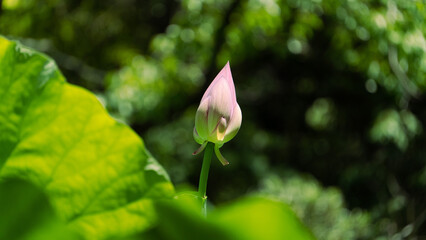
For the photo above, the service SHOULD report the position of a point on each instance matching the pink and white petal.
(234, 125)
(221, 104)
(197, 137)
(230, 81)
(219, 132)
(201, 118)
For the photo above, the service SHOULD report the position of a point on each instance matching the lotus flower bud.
(219, 116)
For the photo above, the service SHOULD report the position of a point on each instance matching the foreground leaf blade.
(95, 171)
(260, 218)
(249, 218)
(26, 214)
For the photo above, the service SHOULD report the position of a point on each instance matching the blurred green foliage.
(330, 88)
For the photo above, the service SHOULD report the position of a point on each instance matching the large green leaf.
(250, 218)
(260, 218)
(96, 172)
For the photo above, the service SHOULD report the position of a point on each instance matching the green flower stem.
(202, 186)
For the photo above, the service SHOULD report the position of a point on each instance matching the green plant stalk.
(202, 186)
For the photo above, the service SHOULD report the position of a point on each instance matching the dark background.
(332, 95)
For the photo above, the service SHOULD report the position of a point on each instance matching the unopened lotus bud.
(219, 116)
